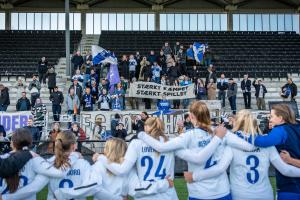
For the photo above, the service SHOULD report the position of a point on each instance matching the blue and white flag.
(101, 55)
(199, 50)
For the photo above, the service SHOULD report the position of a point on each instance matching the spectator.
(190, 60)
(260, 91)
(2, 130)
(72, 102)
(39, 111)
(34, 88)
(104, 100)
(231, 94)
(57, 99)
(156, 69)
(134, 103)
(185, 82)
(124, 84)
(77, 88)
(42, 70)
(23, 104)
(222, 85)
(246, 89)
(143, 64)
(208, 57)
(21, 87)
(121, 132)
(166, 49)
(163, 80)
(152, 57)
(138, 59)
(104, 85)
(173, 73)
(194, 74)
(124, 67)
(210, 75)
(176, 48)
(187, 122)
(99, 131)
(289, 90)
(77, 61)
(147, 72)
(51, 74)
(169, 61)
(211, 90)
(162, 62)
(4, 98)
(4, 142)
(163, 106)
(80, 78)
(87, 100)
(88, 60)
(117, 98)
(176, 102)
(52, 136)
(181, 58)
(94, 92)
(35, 132)
(139, 121)
(180, 127)
(132, 67)
(114, 123)
(200, 90)
(79, 133)
(93, 77)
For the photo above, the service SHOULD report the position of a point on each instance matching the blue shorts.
(227, 197)
(288, 196)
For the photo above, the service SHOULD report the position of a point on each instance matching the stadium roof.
(154, 5)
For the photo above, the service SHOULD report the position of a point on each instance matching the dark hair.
(186, 116)
(145, 113)
(21, 139)
(117, 116)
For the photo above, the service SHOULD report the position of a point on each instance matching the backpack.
(286, 92)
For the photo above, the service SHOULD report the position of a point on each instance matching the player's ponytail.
(115, 149)
(246, 123)
(63, 143)
(21, 140)
(156, 128)
(202, 116)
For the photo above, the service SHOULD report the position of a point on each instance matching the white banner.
(156, 91)
(13, 120)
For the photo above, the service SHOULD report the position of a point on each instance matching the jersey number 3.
(158, 172)
(253, 162)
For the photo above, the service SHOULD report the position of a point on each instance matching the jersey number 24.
(161, 173)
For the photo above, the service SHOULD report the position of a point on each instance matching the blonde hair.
(115, 149)
(200, 110)
(157, 127)
(63, 143)
(245, 122)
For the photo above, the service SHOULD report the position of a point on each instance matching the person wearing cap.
(57, 99)
(23, 104)
(260, 91)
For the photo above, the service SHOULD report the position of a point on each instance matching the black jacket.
(57, 98)
(51, 80)
(257, 89)
(194, 74)
(174, 72)
(77, 60)
(2, 130)
(42, 67)
(138, 126)
(4, 97)
(210, 76)
(77, 90)
(147, 72)
(120, 134)
(293, 87)
(14, 163)
(124, 68)
(35, 132)
(246, 85)
(19, 103)
(223, 86)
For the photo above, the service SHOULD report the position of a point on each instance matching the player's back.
(249, 175)
(77, 174)
(211, 188)
(154, 166)
(27, 175)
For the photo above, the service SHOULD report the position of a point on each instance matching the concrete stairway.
(87, 41)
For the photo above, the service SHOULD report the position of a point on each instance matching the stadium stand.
(21, 50)
(260, 54)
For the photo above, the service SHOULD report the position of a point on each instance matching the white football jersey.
(75, 177)
(249, 174)
(212, 188)
(152, 166)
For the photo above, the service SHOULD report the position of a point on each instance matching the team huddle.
(145, 169)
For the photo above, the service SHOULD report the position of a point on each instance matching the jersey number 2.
(158, 172)
(253, 165)
(6, 190)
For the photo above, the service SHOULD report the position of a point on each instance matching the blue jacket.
(284, 137)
